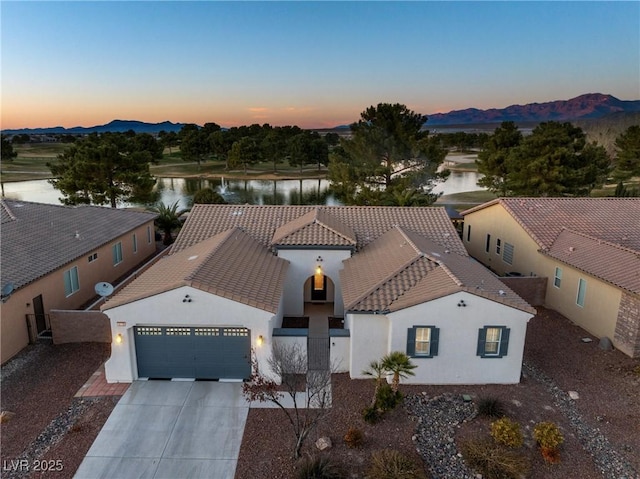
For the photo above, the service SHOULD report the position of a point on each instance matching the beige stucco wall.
(497, 222)
(600, 311)
(14, 332)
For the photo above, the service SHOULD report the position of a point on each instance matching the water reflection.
(256, 192)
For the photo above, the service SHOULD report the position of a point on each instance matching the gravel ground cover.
(600, 428)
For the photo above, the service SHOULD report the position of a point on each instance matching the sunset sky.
(312, 64)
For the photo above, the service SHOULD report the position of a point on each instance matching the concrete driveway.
(170, 429)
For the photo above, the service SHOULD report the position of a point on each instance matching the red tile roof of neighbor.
(600, 236)
(402, 268)
(227, 250)
(39, 238)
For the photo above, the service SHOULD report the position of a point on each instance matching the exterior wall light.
(462, 304)
(119, 338)
(318, 279)
(259, 340)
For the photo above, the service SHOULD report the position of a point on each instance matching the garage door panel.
(198, 352)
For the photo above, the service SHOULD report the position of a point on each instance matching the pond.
(257, 192)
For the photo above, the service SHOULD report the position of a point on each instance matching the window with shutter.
(493, 341)
(422, 341)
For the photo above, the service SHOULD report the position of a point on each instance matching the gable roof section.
(615, 220)
(230, 264)
(402, 269)
(609, 262)
(366, 222)
(39, 238)
(315, 228)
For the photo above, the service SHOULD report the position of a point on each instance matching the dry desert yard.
(601, 428)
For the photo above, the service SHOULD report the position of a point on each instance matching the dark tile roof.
(402, 268)
(315, 228)
(39, 238)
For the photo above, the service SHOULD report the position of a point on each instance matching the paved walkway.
(97, 385)
(170, 429)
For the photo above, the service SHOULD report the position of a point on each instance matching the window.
(71, 282)
(557, 277)
(468, 233)
(422, 341)
(487, 246)
(498, 245)
(507, 255)
(582, 291)
(493, 341)
(149, 234)
(117, 253)
(135, 243)
(92, 257)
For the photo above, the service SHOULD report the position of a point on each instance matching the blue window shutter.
(504, 342)
(411, 342)
(435, 336)
(482, 338)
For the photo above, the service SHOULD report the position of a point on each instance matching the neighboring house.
(54, 255)
(588, 248)
(386, 278)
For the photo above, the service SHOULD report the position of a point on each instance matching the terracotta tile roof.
(315, 228)
(615, 220)
(39, 238)
(366, 222)
(230, 264)
(609, 262)
(402, 268)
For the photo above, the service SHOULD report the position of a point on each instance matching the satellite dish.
(7, 289)
(103, 289)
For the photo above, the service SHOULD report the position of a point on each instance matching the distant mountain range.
(589, 106)
(115, 126)
(583, 107)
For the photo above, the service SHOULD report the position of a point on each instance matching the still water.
(257, 192)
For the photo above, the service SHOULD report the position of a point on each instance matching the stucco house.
(588, 248)
(367, 281)
(52, 257)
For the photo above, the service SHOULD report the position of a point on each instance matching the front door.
(319, 289)
(38, 310)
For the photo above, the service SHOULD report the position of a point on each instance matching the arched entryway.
(319, 288)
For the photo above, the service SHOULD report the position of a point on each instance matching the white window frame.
(135, 243)
(116, 251)
(92, 257)
(582, 292)
(498, 246)
(557, 277)
(71, 281)
(149, 234)
(487, 246)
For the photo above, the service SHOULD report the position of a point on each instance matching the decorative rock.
(586, 340)
(516, 402)
(574, 395)
(605, 344)
(324, 443)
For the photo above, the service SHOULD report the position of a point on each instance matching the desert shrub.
(370, 415)
(494, 461)
(318, 467)
(390, 464)
(548, 435)
(354, 437)
(507, 432)
(490, 407)
(386, 398)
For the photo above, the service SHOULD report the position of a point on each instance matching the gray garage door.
(193, 352)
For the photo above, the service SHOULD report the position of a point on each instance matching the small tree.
(377, 371)
(168, 219)
(304, 410)
(400, 365)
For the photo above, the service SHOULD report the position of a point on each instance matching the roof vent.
(571, 249)
(437, 255)
(501, 292)
(191, 258)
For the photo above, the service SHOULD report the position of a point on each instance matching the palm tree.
(377, 371)
(400, 365)
(168, 219)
